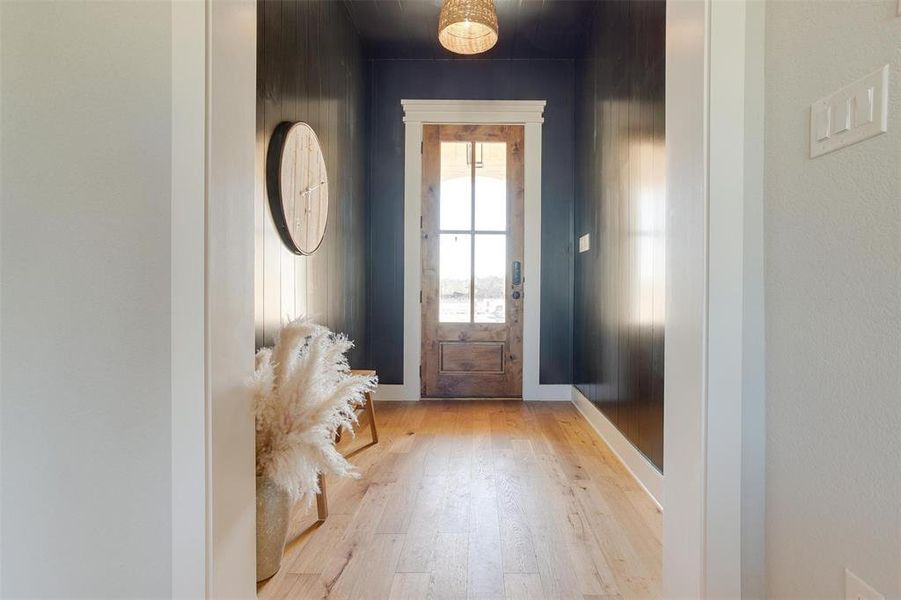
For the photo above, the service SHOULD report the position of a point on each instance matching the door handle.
(517, 272)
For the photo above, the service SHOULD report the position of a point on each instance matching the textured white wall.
(85, 299)
(833, 309)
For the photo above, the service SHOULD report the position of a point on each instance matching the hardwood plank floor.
(476, 499)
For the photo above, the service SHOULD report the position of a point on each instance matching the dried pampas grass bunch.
(303, 392)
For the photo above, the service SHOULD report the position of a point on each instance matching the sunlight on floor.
(478, 499)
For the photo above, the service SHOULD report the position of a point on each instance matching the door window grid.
(472, 235)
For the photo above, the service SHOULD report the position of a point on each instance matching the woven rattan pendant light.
(467, 26)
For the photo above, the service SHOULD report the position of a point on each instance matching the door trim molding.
(714, 382)
(213, 524)
(493, 112)
(530, 114)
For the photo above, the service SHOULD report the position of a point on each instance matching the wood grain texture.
(490, 499)
(453, 366)
(310, 68)
(619, 285)
(472, 357)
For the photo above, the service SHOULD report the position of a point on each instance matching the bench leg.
(370, 408)
(322, 499)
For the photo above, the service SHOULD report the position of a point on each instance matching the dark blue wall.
(394, 80)
(619, 286)
(311, 68)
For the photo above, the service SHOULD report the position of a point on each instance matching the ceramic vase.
(273, 514)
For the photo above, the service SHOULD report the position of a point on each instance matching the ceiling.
(527, 28)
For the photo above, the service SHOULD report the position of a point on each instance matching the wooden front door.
(472, 238)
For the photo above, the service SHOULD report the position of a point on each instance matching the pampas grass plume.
(303, 393)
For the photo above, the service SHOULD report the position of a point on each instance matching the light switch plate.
(852, 114)
(584, 243)
(857, 589)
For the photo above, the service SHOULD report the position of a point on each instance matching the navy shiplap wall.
(310, 67)
(461, 79)
(620, 201)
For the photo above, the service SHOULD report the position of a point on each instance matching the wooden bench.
(368, 407)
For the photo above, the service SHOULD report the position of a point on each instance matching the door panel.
(472, 357)
(472, 217)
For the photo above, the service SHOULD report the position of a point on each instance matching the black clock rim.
(274, 192)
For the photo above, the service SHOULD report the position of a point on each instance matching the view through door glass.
(473, 232)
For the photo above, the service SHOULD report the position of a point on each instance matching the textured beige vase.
(273, 513)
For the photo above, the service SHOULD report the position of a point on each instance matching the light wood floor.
(477, 499)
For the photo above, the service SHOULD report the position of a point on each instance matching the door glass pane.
(456, 186)
(491, 186)
(490, 283)
(454, 264)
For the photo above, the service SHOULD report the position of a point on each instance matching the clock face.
(298, 186)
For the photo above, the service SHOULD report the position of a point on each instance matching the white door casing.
(213, 135)
(528, 113)
(713, 385)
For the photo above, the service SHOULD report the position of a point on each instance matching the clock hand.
(311, 189)
(307, 208)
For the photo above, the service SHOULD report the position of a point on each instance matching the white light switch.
(584, 243)
(863, 106)
(850, 115)
(842, 120)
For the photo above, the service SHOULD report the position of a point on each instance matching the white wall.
(833, 309)
(85, 299)
(189, 401)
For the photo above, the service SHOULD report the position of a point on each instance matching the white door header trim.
(474, 111)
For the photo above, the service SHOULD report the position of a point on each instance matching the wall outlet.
(585, 243)
(858, 589)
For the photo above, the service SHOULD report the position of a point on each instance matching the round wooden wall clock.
(297, 185)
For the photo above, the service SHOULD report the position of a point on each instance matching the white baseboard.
(548, 393)
(395, 393)
(406, 393)
(644, 472)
